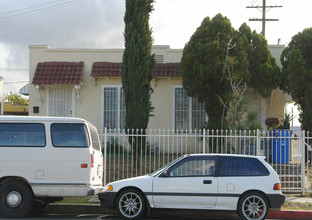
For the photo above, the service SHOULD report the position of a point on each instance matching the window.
(22, 135)
(69, 135)
(188, 112)
(114, 112)
(95, 139)
(239, 166)
(194, 167)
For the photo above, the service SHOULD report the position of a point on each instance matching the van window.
(94, 138)
(22, 135)
(69, 135)
(240, 166)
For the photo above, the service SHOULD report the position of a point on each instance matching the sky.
(99, 24)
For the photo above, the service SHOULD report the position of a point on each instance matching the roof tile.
(112, 69)
(58, 73)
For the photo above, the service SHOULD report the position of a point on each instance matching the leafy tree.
(15, 99)
(263, 69)
(238, 117)
(203, 65)
(296, 75)
(137, 63)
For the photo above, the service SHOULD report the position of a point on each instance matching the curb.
(291, 214)
(97, 209)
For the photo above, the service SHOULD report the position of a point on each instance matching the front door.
(60, 101)
(189, 184)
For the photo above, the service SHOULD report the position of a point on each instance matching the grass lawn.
(77, 200)
(297, 206)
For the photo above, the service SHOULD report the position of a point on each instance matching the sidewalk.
(293, 214)
(61, 208)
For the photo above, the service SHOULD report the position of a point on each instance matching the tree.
(136, 70)
(138, 63)
(263, 69)
(15, 99)
(203, 65)
(238, 117)
(296, 75)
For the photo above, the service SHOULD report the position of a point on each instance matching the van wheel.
(130, 204)
(16, 199)
(253, 206)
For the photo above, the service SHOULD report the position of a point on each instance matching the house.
(86, 83)
(14, 109)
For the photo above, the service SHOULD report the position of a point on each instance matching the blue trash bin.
(280, 140)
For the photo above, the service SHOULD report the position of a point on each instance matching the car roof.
(226, 155)
(40, 119)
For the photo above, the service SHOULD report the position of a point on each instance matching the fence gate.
(130, 153)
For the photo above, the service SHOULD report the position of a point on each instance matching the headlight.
(108, 188)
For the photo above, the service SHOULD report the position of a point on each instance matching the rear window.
(95, 138)
(69, 135)
(240, 166)
(22, 135)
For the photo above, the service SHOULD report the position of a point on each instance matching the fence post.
(105, 156)
(204, 140)
(303, 142)
(258, 142)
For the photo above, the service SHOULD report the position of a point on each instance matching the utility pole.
(263, 19)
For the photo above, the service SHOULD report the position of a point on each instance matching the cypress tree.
(137, 66)
(137, 63)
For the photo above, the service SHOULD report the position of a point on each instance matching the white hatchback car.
(246, 184)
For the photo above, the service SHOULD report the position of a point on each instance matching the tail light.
(277, 186)
(84, 165)
(92, 160)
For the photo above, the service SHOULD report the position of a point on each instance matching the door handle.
(207, 181)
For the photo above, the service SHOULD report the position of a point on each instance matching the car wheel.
(16, 199)
(253, 206)
(130, 204)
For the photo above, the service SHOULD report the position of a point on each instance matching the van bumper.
(94, 190)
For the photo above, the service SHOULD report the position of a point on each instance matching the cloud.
(84, 24)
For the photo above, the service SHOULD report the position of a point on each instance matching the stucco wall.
(162, 100)
(90, 91)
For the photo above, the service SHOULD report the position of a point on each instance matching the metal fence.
(130, 153)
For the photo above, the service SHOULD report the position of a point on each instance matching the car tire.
(130, 204)
(16, 199)
(253, 206)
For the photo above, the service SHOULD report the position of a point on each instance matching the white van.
(43, 159)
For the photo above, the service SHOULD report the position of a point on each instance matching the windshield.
(156, 172)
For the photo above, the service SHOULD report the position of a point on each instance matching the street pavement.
(94, 209)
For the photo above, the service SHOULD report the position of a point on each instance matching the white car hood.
(143, 183)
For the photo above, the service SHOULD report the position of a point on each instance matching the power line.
(14, 69)
(37, 11)
(16, 82)
(24, 9)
